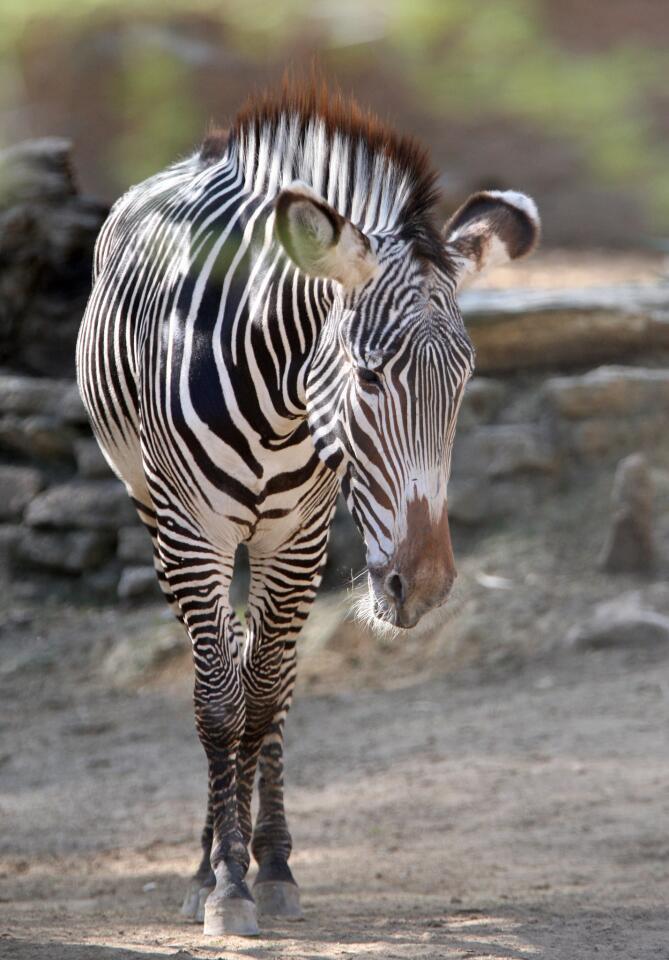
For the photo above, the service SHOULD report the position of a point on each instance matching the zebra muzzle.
(420, 573)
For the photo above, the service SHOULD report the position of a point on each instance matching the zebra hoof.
(230, 916)
(193, 906)
(278, 898)
(201, 900)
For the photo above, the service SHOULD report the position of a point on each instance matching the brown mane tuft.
(312, 99)
(214, 144)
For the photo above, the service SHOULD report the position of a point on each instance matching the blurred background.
(568, 100)
(533, 707)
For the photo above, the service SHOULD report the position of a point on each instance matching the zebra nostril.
(395, 588)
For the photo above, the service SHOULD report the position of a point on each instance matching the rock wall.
(47, 233)
(544, 408)
(517, 330)
(521, 435)
(68, 525)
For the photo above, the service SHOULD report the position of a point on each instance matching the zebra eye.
(368, 376)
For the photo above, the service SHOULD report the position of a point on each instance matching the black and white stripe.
(271, 318)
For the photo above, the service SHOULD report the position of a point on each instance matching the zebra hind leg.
(200, 587)
(220, 717)
(275, 889)
(197, 592)
(203, 881)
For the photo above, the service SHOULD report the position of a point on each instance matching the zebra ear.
(319, 240)
(491, 228)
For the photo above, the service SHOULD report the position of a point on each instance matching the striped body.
(270, 319)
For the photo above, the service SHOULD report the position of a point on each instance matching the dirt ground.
(479, 791)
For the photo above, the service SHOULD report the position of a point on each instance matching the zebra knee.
(220, 725)
(260, 714)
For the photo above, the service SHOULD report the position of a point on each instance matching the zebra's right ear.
(319, 241)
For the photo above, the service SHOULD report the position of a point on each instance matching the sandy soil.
(517, 807)
(478, 789)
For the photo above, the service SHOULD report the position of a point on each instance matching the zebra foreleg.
(275, 889)
(280, 597)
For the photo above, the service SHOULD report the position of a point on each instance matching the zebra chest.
(240, 479)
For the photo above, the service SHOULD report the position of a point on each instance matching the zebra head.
(388, 373)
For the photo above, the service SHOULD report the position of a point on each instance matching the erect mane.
(346, 153)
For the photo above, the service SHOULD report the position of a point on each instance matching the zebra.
(272, 320)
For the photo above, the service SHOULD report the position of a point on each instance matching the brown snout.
(420, 574)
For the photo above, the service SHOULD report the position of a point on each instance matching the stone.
(618, 624)
(47, 235)
(38, 437)
(134, 546)
(542, 329)
(36, 170)
(24, 395)
(502, 450)
(605, 439)
(608, 412)
(69, 551)
(138, 583)
(346, 550)
(629, 544)
(653, 595)
(469, 501)
(10, 534)
(483, 399)
(478, 501)
(72, 408)
(609, 392)
(84, 504)
(90, 462)
(18, 487)
(524, 403)
(102, 584)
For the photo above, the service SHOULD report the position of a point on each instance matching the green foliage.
(161, 114)
(489, 57)
(461, 58)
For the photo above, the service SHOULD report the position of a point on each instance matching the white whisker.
(364, 606)
(355, 577)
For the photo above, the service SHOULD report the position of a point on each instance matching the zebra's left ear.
(489, 229)
(319, 240)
